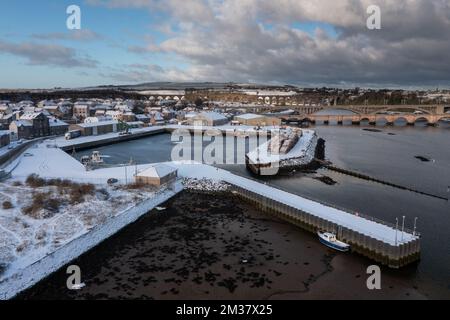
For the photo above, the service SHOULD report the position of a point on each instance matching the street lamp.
(415, 226)
(396, 228)
(403, 227)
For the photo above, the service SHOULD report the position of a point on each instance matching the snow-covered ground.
(205, 185)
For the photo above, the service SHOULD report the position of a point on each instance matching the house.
(250, 119)
(81, 111)
(21, 129)
(208, 119)
(5, 108)
(6, 119)
(128, 117)
(96, 128)
(97, 119)
(5, 138)
(115, 115)
(143, 118)
(157, 175)
(156, 118)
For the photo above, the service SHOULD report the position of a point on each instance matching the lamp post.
(415, 226)
(403, 227)
(396, 228)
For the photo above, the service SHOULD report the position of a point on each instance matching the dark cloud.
(256, 40)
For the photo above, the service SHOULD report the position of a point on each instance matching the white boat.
(96, 158)
(329, 239)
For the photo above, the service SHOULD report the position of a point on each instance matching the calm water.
(388, 155)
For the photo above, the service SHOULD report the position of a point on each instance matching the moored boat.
(329, 239)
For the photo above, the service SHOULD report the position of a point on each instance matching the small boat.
(96, 158)
(329, 239)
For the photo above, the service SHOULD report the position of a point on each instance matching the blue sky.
(261, 41)
(31, 21)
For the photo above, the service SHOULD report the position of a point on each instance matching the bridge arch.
(422, 122)
(382, 121)
(364, 121)
(401, 121)
(443, 122)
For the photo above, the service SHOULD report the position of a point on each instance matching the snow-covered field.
(26, 238)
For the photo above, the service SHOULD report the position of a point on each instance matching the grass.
(47, 204)
(7, 205)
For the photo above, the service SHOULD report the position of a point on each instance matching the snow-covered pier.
(369, 237)
(264, 161)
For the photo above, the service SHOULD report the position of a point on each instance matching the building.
(208, 119)
(58, 127)
(30, 125)
(97, 119)
(40, 122)
(157, 175)
(5, 138)
(6, 119)
(96, 128)
(254, 120)
(143, 118)
(81, 111)
(21, 129)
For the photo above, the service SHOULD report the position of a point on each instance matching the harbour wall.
(393, 256)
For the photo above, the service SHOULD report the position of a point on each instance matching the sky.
(299, 42)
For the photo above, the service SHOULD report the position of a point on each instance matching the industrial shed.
(96, 128)
(157, 175)
(208, 119)
(251, 119)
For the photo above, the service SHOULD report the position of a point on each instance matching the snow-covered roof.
(30, 115)
(98, 124)
(250, 116)
(156, 171)
(54, 122)
(4, 133)
(23, 123)
(213, 115)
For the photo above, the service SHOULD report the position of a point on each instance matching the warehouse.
(96, 128)
(254, 120)
(208, 119)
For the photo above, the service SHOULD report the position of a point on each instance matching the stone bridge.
(372, 114)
